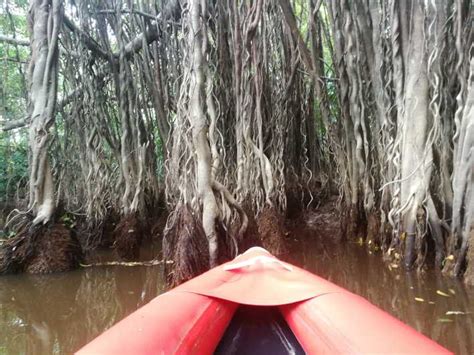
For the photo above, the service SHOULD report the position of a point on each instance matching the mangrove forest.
(211, 126)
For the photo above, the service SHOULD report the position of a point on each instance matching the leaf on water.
(444, 320)
(449, 313)
(419, 299)
(441, 293)
(452, 291)
(403, 236)
(395, 266)
(451, 257)
(431, 302)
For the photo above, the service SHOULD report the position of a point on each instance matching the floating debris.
(449, 313)
(419, 299)
(452, 291)
(441, 293)
(444, 320)
(132, 263)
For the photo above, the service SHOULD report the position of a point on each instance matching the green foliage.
(13, 94)
(13, 61)
(13, 165)
(68, 220)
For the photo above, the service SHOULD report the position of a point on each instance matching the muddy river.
(60, 313)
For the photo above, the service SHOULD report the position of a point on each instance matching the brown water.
(60, 313)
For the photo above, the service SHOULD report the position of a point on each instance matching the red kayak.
(261, 305)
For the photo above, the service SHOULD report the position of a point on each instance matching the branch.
(16, 41)
(149, 35)
(90, 42)
(291, 23)
(9, 125)
(136, 12)
(20, 123)
(172, 11)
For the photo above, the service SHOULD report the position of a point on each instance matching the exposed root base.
(272, 231)
(185, 243)
(353, 223)
(324, 220)
(128, 238)
(374, 239)
(158, 227)
(299, 199)
(40, 250)
(251, 237)
(106, 233)
(469, 274)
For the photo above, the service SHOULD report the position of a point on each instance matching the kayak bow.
(324, 318)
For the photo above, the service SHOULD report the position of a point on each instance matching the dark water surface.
(60, 313)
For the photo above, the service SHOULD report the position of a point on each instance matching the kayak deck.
(258, 330)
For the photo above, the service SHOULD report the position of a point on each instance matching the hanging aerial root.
(244, 221)
(251, 237)
(40, 249)
(300, 198)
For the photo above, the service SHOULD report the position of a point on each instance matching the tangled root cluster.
(40, 250)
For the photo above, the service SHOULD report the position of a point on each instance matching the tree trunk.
(200, 128)
(45, 22)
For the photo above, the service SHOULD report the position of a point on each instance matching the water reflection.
(60, 313)
(447, 318)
